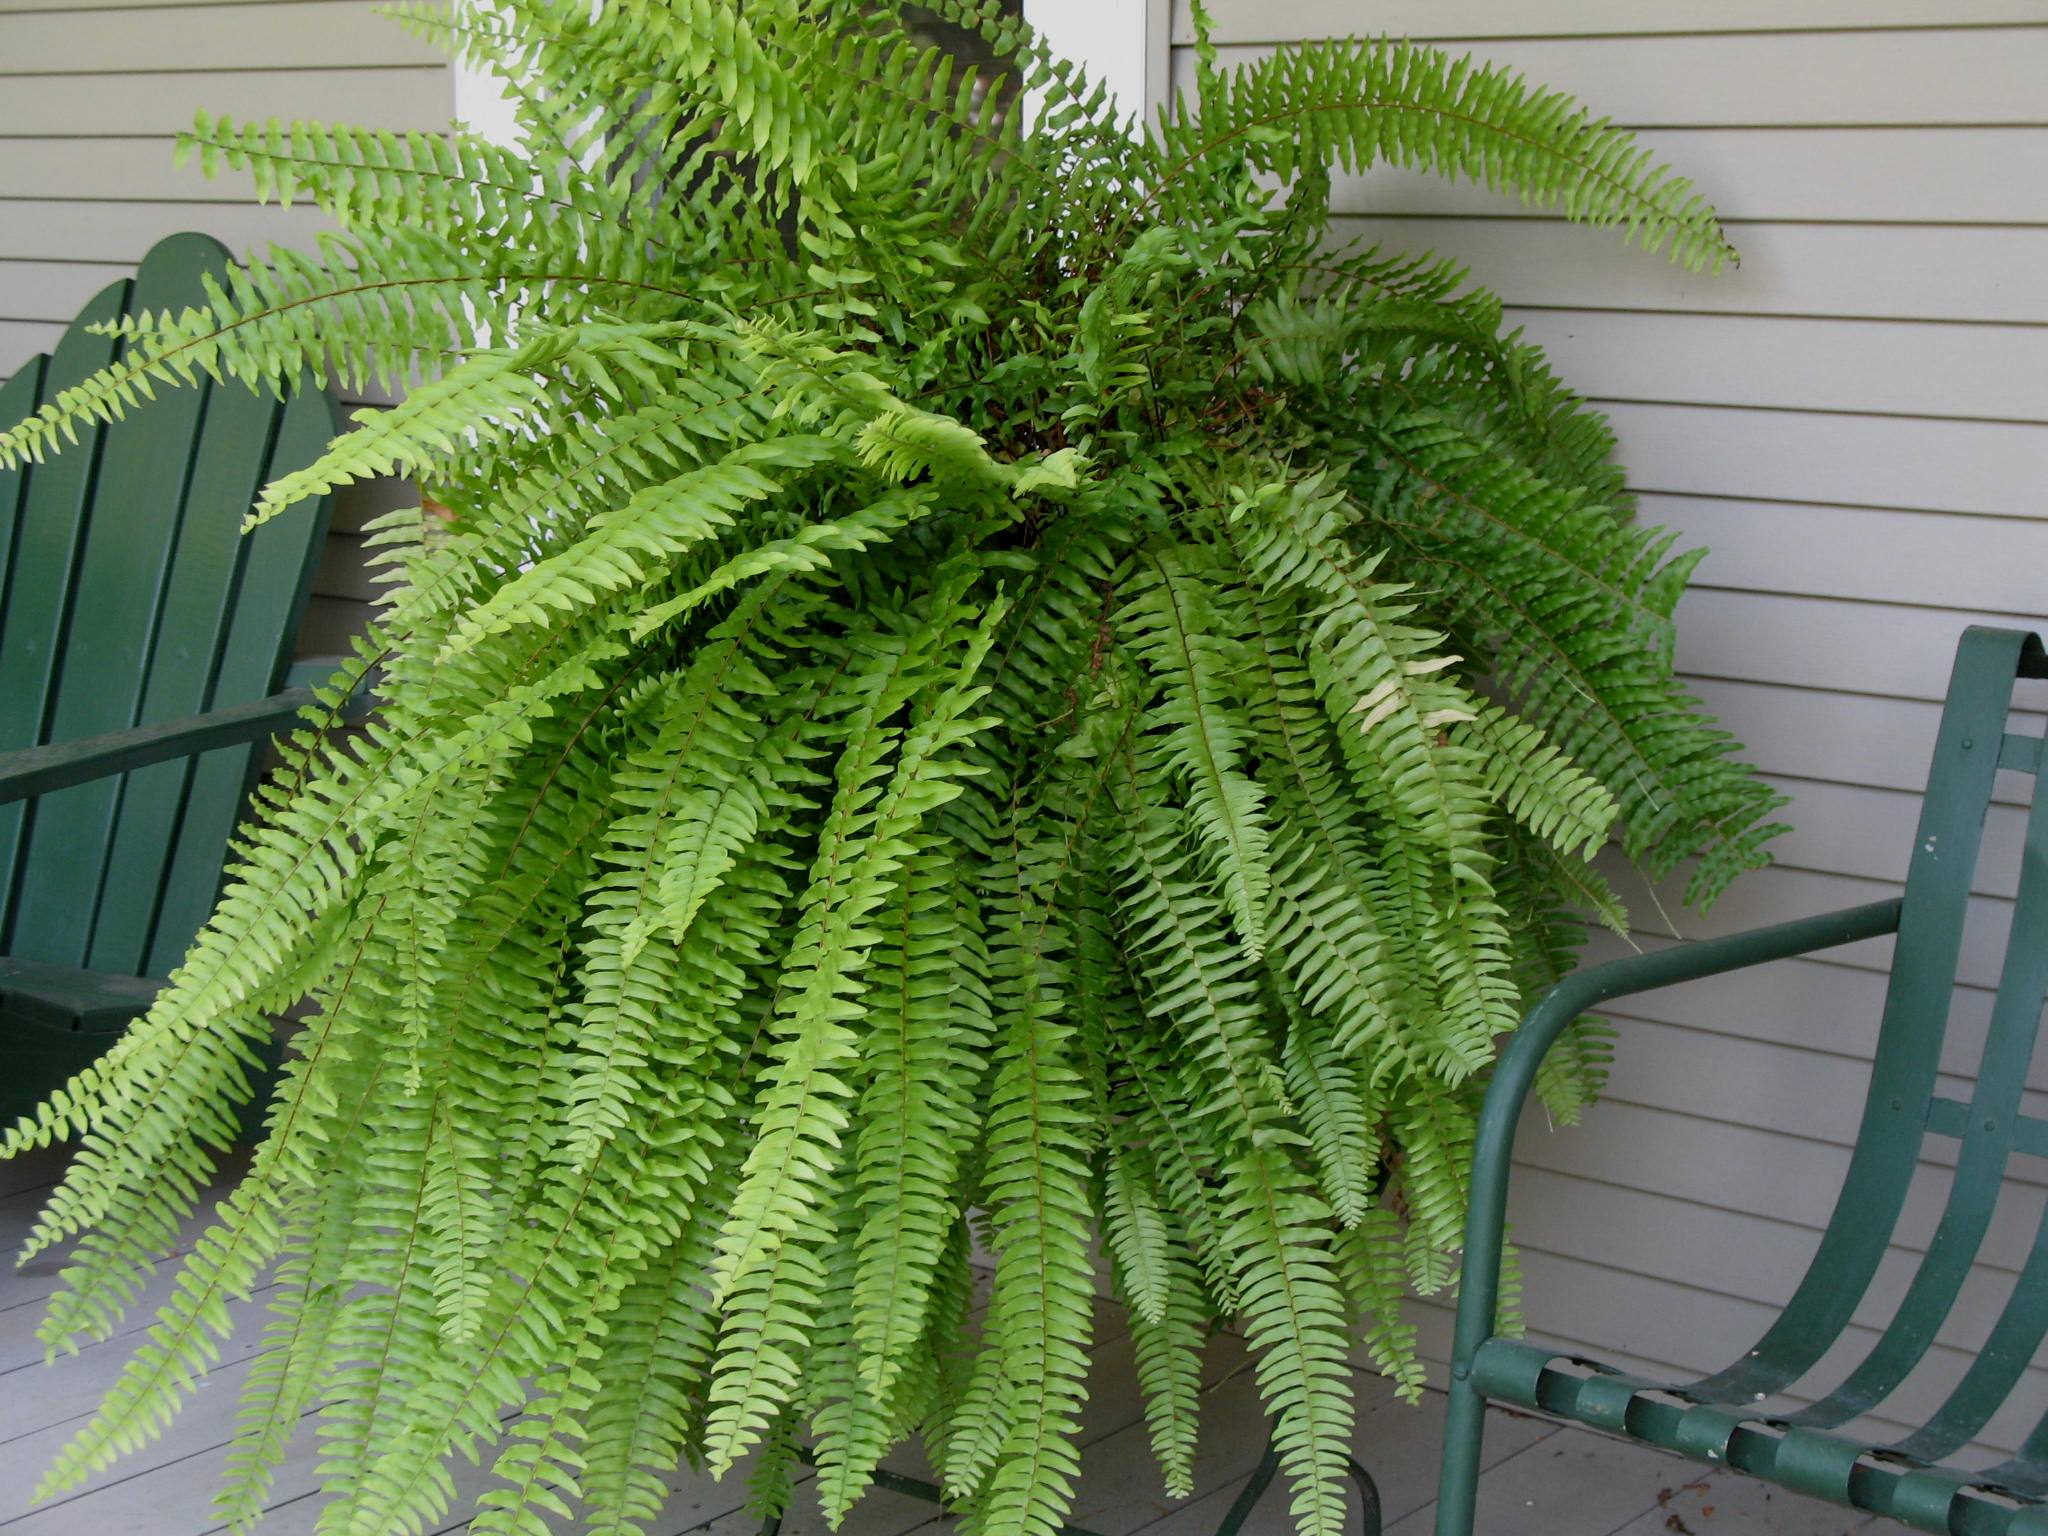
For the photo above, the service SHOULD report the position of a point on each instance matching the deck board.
(1540, 1479)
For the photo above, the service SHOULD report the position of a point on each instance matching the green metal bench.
(1723, 1419)
(143, 642)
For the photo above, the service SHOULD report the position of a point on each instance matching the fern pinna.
(979, 684)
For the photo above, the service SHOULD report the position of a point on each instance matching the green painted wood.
(1717, 1419)
(35, 771)
(277, 575)
(19, 396)
(142, 643)
(50, 524)
(219, 580)
(131, 536)
(59, 997)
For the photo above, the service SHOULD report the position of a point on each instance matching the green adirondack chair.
(1727, 1418)
(143, 642)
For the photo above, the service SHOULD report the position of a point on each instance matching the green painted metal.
(1718, 1419)
(143, 640)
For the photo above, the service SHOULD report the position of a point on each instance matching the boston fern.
(968, 683)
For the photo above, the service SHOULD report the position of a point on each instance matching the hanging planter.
(977, 679)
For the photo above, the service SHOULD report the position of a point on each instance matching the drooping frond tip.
(972, 665)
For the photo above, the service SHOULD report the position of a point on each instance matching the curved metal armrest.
(1515, 1073)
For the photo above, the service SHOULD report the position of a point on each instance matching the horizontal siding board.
(54, 290)
(341, 572)
(1263, 21)
(1742, 1255)
(324, 34)
(360, 501)
(1775, 894)
(1761, 1084)
(1946, 76)
(1871, 554)
(1994, 468)
(1890, 272)
(48, 230)
(330, 623)
(1834, 175)
(94, 105)
(111, 169)
(1809, 1005)
(1869, 833)
(1684, 1330)
(1894, 652)
(1907, 368)
(21, 340)
(1696, 1161)
(1826, 736)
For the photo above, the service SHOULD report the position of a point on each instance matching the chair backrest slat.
(1987, 1137)
(270, 599)
(171, 611)
(49, 531)
(138, 508)
(1917, 1003)
(2003, 1360)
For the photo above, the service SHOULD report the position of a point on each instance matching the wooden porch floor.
(1541, 1479)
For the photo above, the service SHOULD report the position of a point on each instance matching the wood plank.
(410, 96)
(1397, 1443)
(36, 1169)
(313, 34)
(1941, 466)
(63, 231)
(1939, 75)
(1893, 272)
(1808, 1004)
(1876, 648)
(46, 554)
(1755, 1082)
(21, 340)
(1868, 833)
(118, 168)
(330, 623)
(1253, 21)
(276, 564)
(1991, 372)
(1825, 736)
(1643, 1232)
(54, 291)
(1993, 176)
(131, 534)
(1729, 1504)
(1772, 895)
(1874, 554)
(1575, 1480)
(342, 572)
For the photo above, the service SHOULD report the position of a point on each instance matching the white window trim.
(1124, 44)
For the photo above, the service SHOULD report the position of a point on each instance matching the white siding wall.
(1856, 422)
(91, 96)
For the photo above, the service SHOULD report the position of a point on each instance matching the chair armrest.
(1515, 1073)
(33, 771)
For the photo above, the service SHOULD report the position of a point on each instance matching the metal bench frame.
(1717, 1419)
